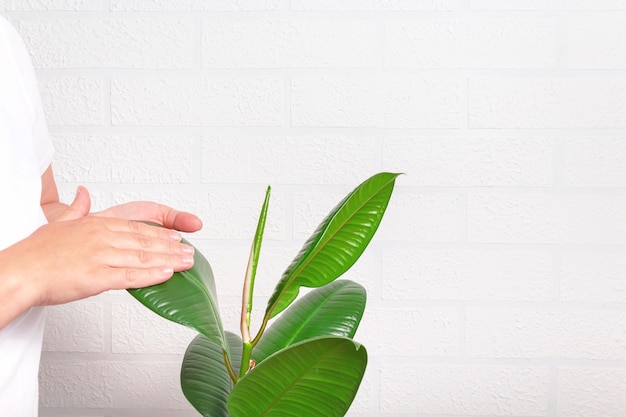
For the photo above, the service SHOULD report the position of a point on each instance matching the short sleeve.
(42, 142)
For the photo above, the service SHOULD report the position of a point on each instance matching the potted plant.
(306, 362)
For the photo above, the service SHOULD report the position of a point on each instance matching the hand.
(78, 256)
(145, 211)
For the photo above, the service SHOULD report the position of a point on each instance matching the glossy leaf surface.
(333, 310)
(315, 378)
(204, 378)
(338, 241)
(188, 298)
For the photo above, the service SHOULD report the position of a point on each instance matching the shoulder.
(12, 45)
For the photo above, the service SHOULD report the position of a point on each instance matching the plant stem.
(261, 331)
(229, 367)
(245, 359)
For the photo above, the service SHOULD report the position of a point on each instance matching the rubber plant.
(306, 362)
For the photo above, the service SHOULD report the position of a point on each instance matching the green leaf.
(204, 378)
(253, 261)
(314, 378)
(333, 310)
(188, 298)
(337, 243)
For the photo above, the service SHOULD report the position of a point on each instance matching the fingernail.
(167, 272)
(187, 249)
(188, 260)
(174, 235)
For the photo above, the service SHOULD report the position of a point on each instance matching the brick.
(75, 327)
(593, 276)
(470, 162)
(197, 102)
(473, 42)
(124, 159)
(421, 218)
(589, 392)
(434, 331)
(377, 5)
(385, 102)
(193, 5)
(73, 101)
(594, 162)
(289, 43)
(304, 160)
(541, 333)
(464, 390)
(135, 329)
(539, 5)
(467, 274)
(53, 5)
(570, 102)
(138, 43)
(107, 384)
(544, 219)
(594, 43)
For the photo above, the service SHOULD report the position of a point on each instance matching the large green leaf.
(337, 243)
(314, 378)
(333, 310)
(204, 378)
(188, 298)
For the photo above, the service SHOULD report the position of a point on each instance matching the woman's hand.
(78, 256)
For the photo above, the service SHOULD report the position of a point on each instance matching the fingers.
(135, 247)
(171, 218)
(141, 268)
(177, 259)
(126, 278)
(183, 221)
(143, 230)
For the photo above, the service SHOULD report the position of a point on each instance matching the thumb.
(80, 206)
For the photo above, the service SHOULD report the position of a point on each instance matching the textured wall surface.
(497, 283)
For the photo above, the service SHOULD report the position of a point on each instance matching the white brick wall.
(496, 283)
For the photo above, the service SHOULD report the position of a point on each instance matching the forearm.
(18, 291)
(16, 295)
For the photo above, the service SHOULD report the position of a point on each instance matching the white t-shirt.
(25, 153)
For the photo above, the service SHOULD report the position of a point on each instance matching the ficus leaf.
(333, 310)
(204, 378)
(337, 243)
(188, 298)
(314, 378)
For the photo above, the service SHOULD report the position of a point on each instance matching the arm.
(76, 255)
(50, 203)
